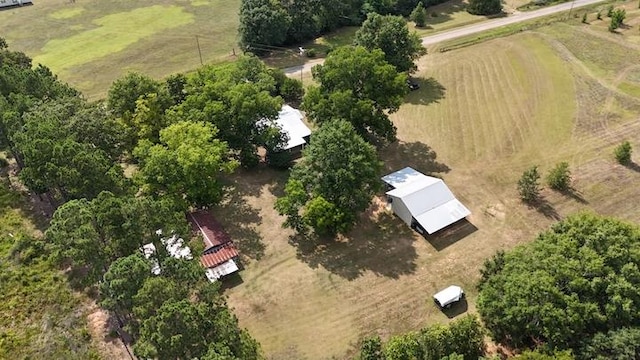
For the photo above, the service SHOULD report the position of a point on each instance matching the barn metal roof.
(219, 256)
(403, 177)
(212, 232)
(428, 199)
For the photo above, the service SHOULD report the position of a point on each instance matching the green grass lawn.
(91, 43)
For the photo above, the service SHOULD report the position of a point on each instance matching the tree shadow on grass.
(632, 166)
(451, 234)
(383, 246)
(231, 280)
(430, 91)
(238, 217)
(544, 207)
(575, 195)
(417, 155)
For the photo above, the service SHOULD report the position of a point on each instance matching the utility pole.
(571, 8)
(199, 51)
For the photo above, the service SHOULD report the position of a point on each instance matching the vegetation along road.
(472, 29)
(496, 23)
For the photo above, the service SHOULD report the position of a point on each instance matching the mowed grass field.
(90, 43)
(483, 114)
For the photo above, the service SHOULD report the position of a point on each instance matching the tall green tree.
(154, 292)
(21, 87)
(263, 23)
(305, 23)
(403, 347)
(391, 35)
(91, 124)
(620, 344)
(579, 278)
(359, 86)
(125, 92)
(371, 349)
(240, 99)
(623, 152)
(528, 185)
(617, 18)
(55, 161)
(540, 354)
(559, 178)
(186, 165)
(186, 329)
(139, 103)
(122, 281)
(94, 233)
(333, 183)
(419, 15)
(460, 339)
(484, 7)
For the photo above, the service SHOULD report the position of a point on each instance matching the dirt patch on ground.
(99, 324)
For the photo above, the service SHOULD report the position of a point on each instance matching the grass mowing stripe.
(115, 33)
(66, 13)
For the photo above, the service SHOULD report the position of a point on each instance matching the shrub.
(419, 15)
(584, 18)
(461, 339)
(609, 10)
(311, 53)
(528, 185)
(484, 7)
(623, 153)
(617, 18)
(292, 90)
(599, 15)
(559, 178)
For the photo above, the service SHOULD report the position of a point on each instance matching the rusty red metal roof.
(212, 232)
(215, 258)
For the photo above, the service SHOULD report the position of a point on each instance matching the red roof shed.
(212, 232)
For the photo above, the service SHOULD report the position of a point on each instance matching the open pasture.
(483, 114)
(90, 43)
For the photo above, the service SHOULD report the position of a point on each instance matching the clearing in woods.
(557, 93)
(91, 43)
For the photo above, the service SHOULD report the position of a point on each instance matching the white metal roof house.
(423, 202)
(290, 122)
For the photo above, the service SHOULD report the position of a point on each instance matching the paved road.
(471, 29)
(511, 19)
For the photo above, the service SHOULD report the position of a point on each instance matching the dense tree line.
(461, 339)
(576, 287)
(268, 23)
(74, 152)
